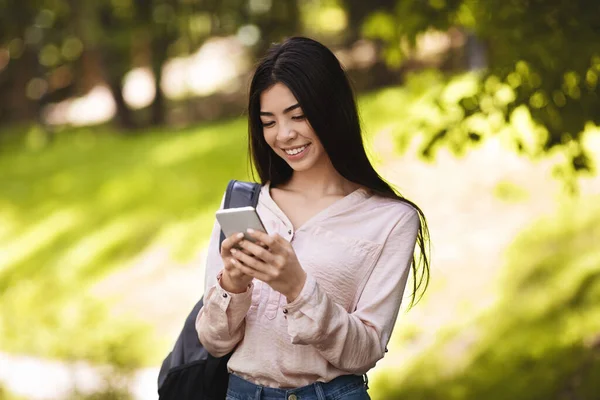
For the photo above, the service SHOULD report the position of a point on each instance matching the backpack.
(189, 372)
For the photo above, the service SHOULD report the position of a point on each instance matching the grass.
(86, 205)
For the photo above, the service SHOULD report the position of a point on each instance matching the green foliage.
(323, 18)
(547, 54)
(542, 340)
(427, 104)
(430, 113)
(510, 192)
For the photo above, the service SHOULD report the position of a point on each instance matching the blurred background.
(121, 122)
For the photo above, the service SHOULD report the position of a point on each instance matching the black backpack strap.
(240, 194)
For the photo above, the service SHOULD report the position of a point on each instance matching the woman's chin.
(299, 166)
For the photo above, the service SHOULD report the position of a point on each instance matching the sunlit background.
(122, 121)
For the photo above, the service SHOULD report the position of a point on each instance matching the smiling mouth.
(296, 151)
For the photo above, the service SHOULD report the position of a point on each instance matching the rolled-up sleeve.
(220, 323)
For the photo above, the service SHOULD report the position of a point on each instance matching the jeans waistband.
(317, 390)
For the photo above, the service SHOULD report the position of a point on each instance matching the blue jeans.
(347, 387)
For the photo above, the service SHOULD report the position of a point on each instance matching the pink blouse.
(356, 254)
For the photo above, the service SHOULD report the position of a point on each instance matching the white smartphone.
(239, 219)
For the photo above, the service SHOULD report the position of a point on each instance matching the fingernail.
(240, 235)
(250, 230)
(233, 251)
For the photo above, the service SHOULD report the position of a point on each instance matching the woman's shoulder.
(398, 206)
(393, 212)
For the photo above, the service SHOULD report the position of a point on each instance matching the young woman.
(312, 309)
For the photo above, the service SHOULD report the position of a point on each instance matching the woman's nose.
(286, 133)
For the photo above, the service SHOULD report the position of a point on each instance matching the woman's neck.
(320, 182)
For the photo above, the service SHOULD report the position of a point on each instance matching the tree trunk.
(124, 115)
(103, 59)
(282, 20)
(20, 107)
(160, 46)
(114, 65)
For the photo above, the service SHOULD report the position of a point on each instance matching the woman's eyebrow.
(287, 110)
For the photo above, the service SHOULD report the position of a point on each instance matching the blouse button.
(285, 311)
(290, 232)
(224, 294)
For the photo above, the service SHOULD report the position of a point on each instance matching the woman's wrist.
(232, 285)
(297, 289)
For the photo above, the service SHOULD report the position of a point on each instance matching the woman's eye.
(298, 117)
(267, 124)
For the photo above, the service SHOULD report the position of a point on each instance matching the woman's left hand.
(277, 265)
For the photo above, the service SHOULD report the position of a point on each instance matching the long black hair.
(317, 80)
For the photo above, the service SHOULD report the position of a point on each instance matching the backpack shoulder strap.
(240, 194)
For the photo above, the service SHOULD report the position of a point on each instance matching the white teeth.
(295, 151)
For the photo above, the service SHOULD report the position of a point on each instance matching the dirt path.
(37, 379)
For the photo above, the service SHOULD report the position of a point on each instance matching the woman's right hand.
(233, 280)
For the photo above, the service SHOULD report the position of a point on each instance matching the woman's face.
(287, 130)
